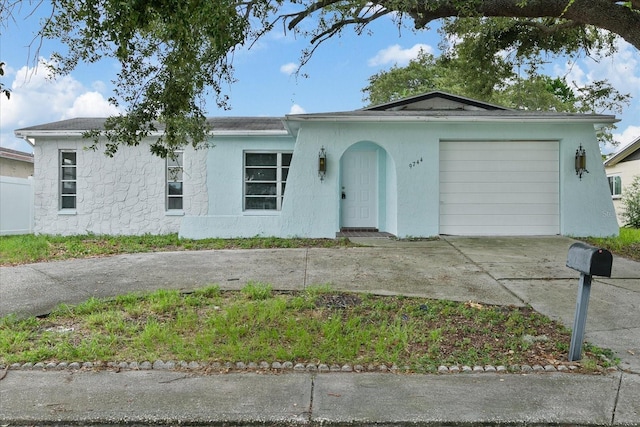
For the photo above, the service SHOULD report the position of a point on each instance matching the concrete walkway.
(507, 271)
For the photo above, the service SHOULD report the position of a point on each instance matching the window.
(175, 188)
(68, 183)
(615, 185)
(265, 178)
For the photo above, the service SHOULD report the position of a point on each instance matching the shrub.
(631, 204)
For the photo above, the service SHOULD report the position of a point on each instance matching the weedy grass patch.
(28, 248)
(318, 325)
(626, 244)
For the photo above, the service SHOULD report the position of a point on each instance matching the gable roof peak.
(435, 100)
(623, 153)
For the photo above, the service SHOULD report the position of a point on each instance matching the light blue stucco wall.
(225, 217)
(408, 196)
(586, 207)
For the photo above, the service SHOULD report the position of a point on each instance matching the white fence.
(16, 205)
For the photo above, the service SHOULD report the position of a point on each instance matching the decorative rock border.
(283, 367)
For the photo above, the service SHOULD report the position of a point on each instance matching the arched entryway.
(367, 174)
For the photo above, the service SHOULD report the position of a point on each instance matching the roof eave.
(274, 132)
(27, 135)
(622, 154)
(20, 158)
(600, 119)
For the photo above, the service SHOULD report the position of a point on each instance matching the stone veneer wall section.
(123, 195)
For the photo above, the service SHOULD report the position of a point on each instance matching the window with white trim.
(68, 179)
(175, 183)
(615, 186)
(265, 179)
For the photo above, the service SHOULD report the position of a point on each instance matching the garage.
(499, 188)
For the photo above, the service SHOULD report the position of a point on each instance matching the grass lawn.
(257, 324)
(315, 326)
(30, 248)
(627, 244)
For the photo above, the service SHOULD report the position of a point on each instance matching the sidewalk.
(172, 398)
(506, 271)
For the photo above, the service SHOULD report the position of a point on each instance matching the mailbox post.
(589, 261)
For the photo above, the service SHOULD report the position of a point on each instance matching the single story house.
(17, 164)
(423, 166)
(622, 167)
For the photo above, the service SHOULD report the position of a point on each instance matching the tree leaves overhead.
(174, 53)
(539, 19)
(3, 90)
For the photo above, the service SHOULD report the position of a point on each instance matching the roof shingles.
(82, 124)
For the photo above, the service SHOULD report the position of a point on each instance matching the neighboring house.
(15, 163)
(621, 169)
(422, 166)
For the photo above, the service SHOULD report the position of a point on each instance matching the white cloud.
(296, 109)
(289, 68)
(622, 70)
(36, 98)
(397, 55)
(574, 74)
(99, 86)
(630, 134)
(90, 104)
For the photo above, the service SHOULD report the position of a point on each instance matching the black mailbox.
(590, 260)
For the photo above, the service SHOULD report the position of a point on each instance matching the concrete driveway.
(491, 270)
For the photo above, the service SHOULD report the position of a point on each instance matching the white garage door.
(499, 188)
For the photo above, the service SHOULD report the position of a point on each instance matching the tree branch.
(612, 16)
(314, 7)
(361, 22)
(618, 17)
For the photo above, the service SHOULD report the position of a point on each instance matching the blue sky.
(266, 83)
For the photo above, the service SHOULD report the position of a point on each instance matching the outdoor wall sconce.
(581, 162)
(322, 163)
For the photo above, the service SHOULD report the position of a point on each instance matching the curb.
(279, 367)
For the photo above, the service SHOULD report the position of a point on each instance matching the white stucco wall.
(123, 195)
(15, 168)
(627, 171)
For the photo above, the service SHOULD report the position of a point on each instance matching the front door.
(359, 190)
